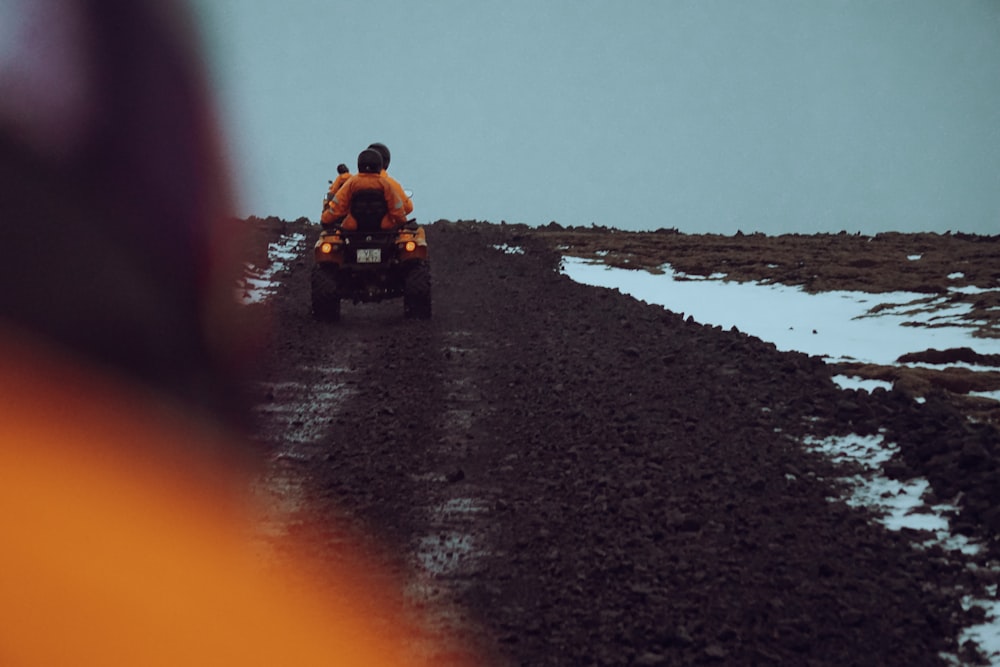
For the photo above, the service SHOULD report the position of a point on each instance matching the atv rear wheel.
(417, 292)
(325, 300)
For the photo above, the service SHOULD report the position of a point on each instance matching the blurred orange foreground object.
(120, 547)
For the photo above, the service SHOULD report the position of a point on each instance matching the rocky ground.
(568, 476)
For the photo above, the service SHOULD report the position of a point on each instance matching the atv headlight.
(410, 246)
(326, 248)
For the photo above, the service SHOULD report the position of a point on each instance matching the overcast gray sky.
(704, 115)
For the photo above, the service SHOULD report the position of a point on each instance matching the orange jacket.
(334, 186)
(340, 205)
(341, 179)
(130, 539)
(400, 192)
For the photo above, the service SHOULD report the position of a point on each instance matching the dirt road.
(571, 477)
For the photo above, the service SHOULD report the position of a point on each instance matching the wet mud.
(567, 476)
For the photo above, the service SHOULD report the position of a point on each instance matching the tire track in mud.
(296, 412)
(455, 518)
(373, 423)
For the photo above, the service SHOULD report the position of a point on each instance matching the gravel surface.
(568, 476)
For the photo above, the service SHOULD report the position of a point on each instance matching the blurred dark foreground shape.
(128, 533)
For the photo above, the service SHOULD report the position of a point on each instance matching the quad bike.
(371, 264)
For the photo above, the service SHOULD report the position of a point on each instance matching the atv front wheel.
(417, 292)
(325, 300)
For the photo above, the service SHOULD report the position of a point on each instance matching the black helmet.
(369, 161)
(342, 168)
(383, 150)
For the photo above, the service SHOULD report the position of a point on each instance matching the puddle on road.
(453, 543)
(297, 416)
(445, 560)
(451, 552)
(257, 284)
(462, 506)
(456, 534)
(447, 557)
(446, 553)
(299, 412)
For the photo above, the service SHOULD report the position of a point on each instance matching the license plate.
(369, 255)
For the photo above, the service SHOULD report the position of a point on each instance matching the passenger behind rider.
(343, 175)
(369, 177)
(383, 150)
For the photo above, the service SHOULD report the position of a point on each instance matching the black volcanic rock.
(642, 493)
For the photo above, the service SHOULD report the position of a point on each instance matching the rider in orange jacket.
(343, 175)
(369, 177)
(383, 150)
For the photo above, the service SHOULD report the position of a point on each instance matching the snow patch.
(839, 325)
(851, 382)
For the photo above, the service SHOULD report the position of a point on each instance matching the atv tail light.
(410, 246)
(326, 248)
